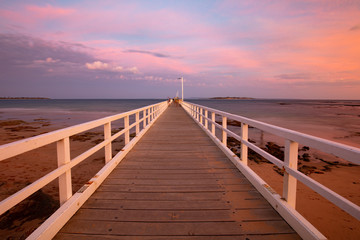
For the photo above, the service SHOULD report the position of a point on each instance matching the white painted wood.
(63, 158)
(108, 148)
(340, 150)
(127, 130)
(137, 129)
(290, 182)
(201, 116)
(56, 221)
(244, 138)
(213, 123)
(25, 145)
(290, 166)
(327, 193)
(304, 228)
(144, 118)
(53, 224)
(224, 135)
(19, 147)
(206, 119)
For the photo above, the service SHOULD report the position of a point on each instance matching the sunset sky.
(308, 49)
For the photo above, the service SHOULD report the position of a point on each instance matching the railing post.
(63, 157)
(198, 113)
(150, 114)
(137, 128)
(244, 148)
(224, 134)
(201, 117)
(290, 183)
(213, 123)
(144, 118)
(206, 121)
(127, 131)
(107, 135)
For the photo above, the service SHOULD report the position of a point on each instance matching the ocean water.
(337, 120)
(67, 112)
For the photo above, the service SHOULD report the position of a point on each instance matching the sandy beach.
(19, 171)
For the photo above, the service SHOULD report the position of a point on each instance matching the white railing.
(284, 204)
(65, 164)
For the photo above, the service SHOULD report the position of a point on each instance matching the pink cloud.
(48, 12)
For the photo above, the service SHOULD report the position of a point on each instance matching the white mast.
(182, 88)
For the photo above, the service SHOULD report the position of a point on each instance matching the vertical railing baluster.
(144, 118)
(290, 183)
(201, 117)
(137, 128)
(150, 114)
(127, 131)
(224, 134)
(213, 123)
(63, 158)
(107, 135)
(206, 121)
(198, 113)
(244, 148)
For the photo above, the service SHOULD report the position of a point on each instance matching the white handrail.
(63, 172)
(289, 165)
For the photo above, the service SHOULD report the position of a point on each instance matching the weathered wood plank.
(177, 229)
(176, 184)
(177, 215)
(200, 188)
(166, 196)
(169, 176)
(287, 236)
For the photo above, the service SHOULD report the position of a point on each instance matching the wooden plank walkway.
(176, 184)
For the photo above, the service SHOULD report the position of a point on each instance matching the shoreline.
(24, 169)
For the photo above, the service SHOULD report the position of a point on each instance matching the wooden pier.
(176, 184)
(175, 178)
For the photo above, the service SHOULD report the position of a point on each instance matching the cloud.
(22, 51)
(155, 54)
(355, 28)
(49, 12)
(98, 65)
(47, 60)
(293, 76)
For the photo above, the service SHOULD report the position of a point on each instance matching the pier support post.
(224, 134)
(206, 121)
(137, 128)
(244, 148)
(290, 183)
(213, 123)
(127, 130)
(63, 158)
(107, 135)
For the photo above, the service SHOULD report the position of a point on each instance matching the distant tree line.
(2, 98)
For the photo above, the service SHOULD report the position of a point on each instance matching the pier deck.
(176, 184)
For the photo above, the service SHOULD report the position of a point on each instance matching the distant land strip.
(21, 98)
(232, 98)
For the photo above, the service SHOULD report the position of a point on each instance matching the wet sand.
(19, 171)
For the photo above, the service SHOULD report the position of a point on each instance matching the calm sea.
(337, 120)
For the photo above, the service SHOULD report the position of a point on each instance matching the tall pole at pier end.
(182, 88)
